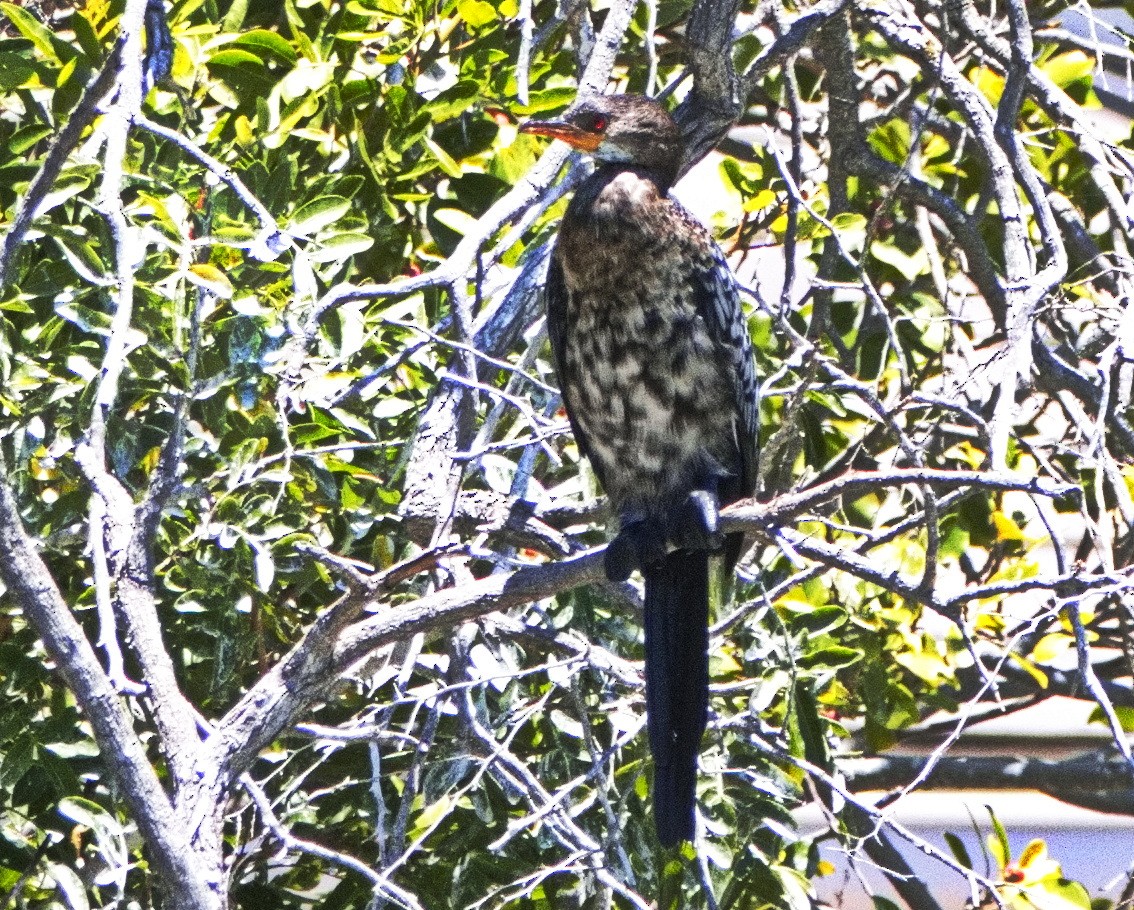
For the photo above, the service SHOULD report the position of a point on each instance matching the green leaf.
(234, 56)
(431, 815)
(910, 265)
(315, 215)
(85, 317)
(476, 12)
(32, 29)
(849, 223)
(68, 185)
(998, 840)
(270, 41)
(15, 71)
(86, 37)
(456, 220)
(834, 657)
(546, 100)
(24, 139)
(75, 893)
(448, 165)
(820, 620)
(341, 247)
(1064, 69)
(1051, 647)
(17, 761)
(210, 278)
(81, 254)
(1058, 894)
(567, 724)
(807, 726)
(958, 847)
(453, 101)
(83, 811)
(1125, 714)
(234, 18)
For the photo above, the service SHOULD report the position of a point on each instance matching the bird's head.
(623, 129)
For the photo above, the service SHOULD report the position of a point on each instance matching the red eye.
(599, 123)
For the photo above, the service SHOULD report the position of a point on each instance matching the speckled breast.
(640, 371)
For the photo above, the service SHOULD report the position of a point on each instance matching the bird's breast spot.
(626, 371)
(656, 414)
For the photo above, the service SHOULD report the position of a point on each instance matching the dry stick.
(1007, 115)
(129, 545)
(794, 37)
(561, 823)
(31, 586)
(814, 571)
(522, 887)
(897, 23)
(602, 784)
(524, 54)
(272, 240)
(107, 622)
(1091, 681)
(887, 858)
(492, 753)
(334, 644)
(846, 133)
(649, 39)
(880, 817)
(1058, 106)
(795, 168)
(930, 763)
(714, 102)
(382, 886)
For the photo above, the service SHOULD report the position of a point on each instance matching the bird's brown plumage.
(654, 361)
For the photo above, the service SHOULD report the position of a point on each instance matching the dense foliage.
(278, 422)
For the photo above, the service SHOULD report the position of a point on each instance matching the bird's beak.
(561, 129)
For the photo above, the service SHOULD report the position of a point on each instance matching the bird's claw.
(637, 546)
(697, 523)
(621, 558)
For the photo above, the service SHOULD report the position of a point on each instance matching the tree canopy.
(304, 602)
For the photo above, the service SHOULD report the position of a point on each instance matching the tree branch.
(1096, 781)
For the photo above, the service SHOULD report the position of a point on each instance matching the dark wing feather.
(718, 301)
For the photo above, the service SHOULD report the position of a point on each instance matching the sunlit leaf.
(270, 41)
(476, 12)
(31, 28)
(317, 214)
(210, 278)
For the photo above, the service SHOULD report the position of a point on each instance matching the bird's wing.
(556, 290)
(719, 301)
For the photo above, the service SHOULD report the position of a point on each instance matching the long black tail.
(677, 685)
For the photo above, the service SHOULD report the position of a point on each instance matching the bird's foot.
(697, 523)
(621, 558)
(637, 546)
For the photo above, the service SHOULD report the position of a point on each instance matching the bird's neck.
(663, 176)
(617, 193)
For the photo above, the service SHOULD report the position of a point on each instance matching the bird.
(654, 361)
